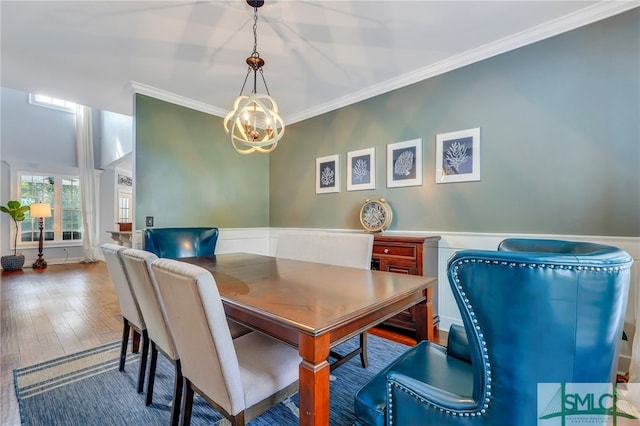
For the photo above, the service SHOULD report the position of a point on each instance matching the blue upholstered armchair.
(173, 243)
(535, 311)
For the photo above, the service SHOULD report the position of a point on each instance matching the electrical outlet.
(149, 221)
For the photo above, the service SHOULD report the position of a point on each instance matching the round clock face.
(375, 215)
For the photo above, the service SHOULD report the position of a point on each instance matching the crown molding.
(154, 92)
(594, 13)
(597, 12)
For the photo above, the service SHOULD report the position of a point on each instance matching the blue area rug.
(87, 389)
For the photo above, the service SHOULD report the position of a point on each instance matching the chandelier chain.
(254, 124)
(255, 33)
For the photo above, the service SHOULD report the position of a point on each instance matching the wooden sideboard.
(414, 256)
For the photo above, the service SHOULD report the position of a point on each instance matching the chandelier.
(254, 124)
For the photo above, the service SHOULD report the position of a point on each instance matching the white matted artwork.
(404, 163)
(328, 174)
(361, 169)
(458, 156)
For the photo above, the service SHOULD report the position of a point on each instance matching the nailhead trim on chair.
(487, 366)
(483, 344)
(480, 336)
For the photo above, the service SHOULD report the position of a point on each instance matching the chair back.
(137, 263)
(334, 248)
(172, 243)
(201, 334)
(128, 304)
(539, 311)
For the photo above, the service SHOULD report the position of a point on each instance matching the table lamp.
(40, 210)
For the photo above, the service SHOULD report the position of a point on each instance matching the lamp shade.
(40, 210)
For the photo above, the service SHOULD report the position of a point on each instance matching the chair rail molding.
(263, 240)
(451, 242)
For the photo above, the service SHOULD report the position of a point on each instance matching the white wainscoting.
(264, 240)
(450, 243)
(247, 240)
(453, 241)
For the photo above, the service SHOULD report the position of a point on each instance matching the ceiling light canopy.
(254, 124)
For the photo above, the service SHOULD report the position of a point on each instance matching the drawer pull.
(386, 251)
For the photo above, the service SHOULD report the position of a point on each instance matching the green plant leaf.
(15, 210)
(17, 213)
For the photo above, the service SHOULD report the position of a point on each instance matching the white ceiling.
(320, 55)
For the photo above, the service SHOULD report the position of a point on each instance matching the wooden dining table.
(313, 307)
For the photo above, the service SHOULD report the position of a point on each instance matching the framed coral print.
(404, 163)
(327, 174)
(458, 156)
(361, 169)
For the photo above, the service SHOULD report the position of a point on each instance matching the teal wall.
(560, 143)
(187, 173)
(560, 149)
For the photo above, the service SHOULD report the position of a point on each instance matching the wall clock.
(375, 214)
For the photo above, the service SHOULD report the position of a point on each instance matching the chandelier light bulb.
(254, 124)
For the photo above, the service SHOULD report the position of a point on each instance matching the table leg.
(314, 380)
(135, 342)
(424, 318)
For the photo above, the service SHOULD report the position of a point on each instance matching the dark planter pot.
(12, 263)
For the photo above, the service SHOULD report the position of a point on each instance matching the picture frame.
(361, 169)
(125, 180)
(458, 156)
(328, 174)
(404, 163)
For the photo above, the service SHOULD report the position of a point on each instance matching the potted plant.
(17, 213)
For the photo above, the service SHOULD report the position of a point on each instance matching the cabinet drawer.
(389, 250)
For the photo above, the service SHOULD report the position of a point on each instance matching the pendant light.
(254, 124)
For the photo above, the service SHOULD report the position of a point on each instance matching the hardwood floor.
(52, 312)
(60, 310)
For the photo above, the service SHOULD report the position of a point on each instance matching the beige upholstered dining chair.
(137, 265)
(131, 315)
(239, 377)
(333, 248)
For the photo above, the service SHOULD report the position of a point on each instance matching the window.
(51, 102)
(124, 206)
(63, 194)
